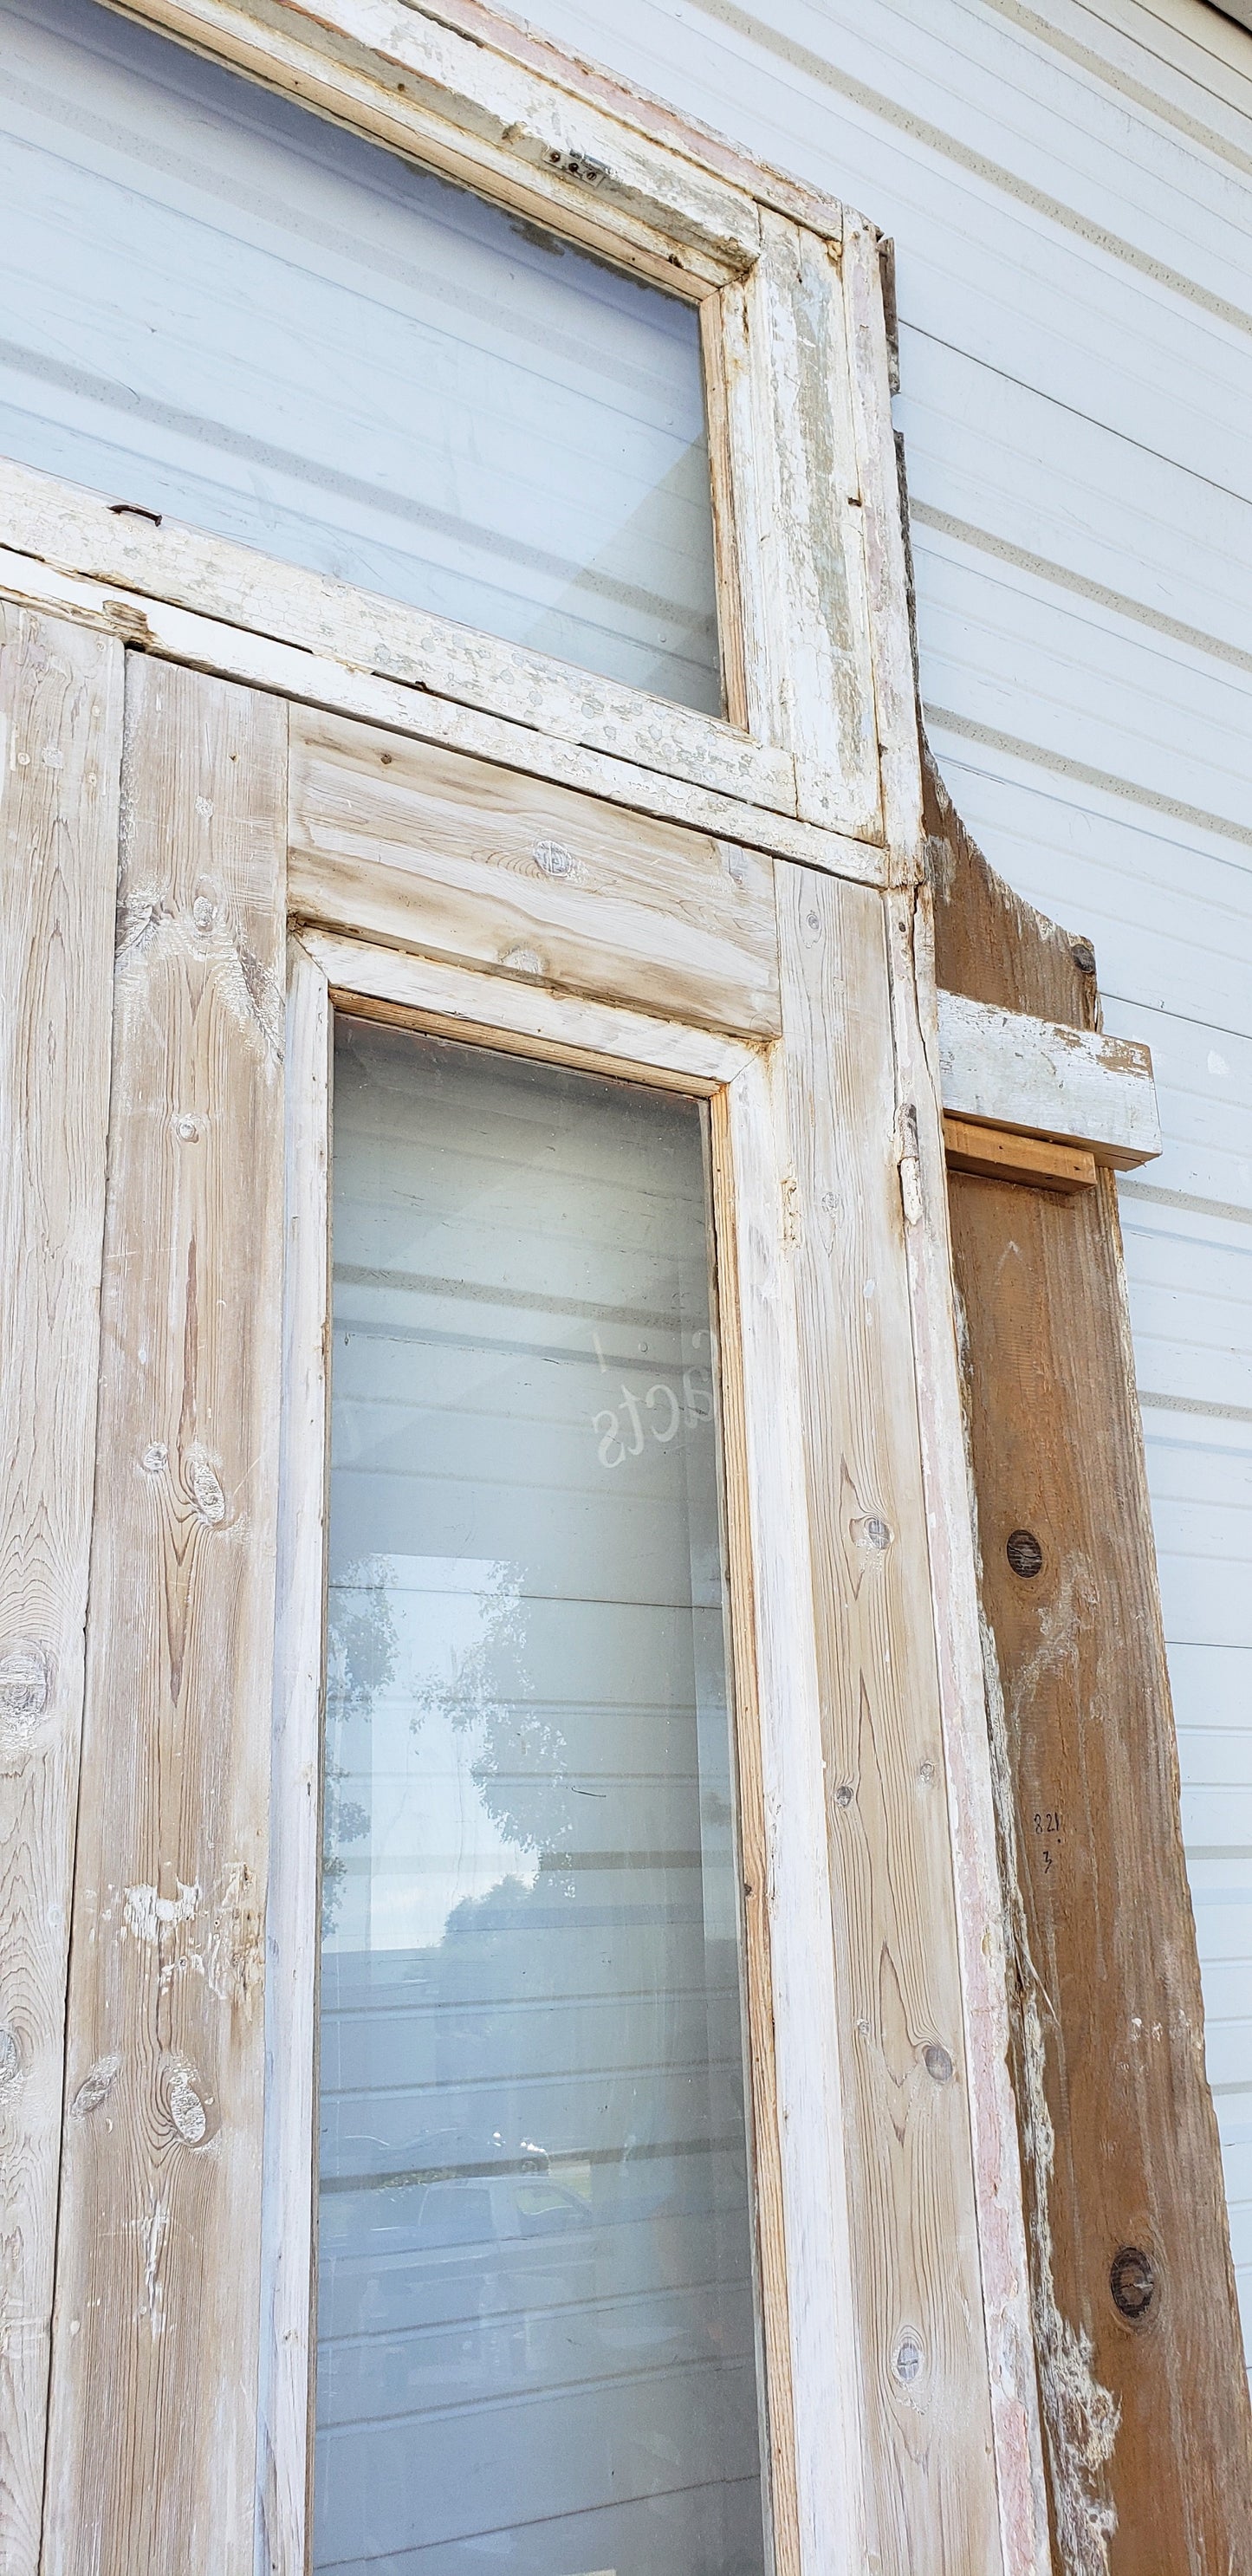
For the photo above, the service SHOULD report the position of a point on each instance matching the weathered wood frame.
(797, 372)
(789, 1947)
(801, 761)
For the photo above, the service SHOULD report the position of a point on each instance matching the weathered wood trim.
(1004, 1154)
(1016, 2425)
(808, 649)
(523, 1018)
(61, 724)
(262, 661)
(412, 82)
(917, 2329)
(153, 2410)
(1149, 2446)
(777, 1693)
(398, 842)
(890, 679)
(288, 2241)
(1042, 1079)
(77, 532)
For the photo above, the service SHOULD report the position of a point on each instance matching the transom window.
(216, 305)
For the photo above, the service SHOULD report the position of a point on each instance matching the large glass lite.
(217, 305)
(537, 2341)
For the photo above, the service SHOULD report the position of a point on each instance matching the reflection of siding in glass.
(537, 2334)
(216, 305)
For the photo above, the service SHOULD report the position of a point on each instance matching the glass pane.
(215, 304)
(537, 2340)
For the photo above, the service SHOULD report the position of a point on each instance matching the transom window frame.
(807, 760)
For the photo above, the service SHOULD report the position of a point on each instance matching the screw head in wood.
(1132, 2281)
(1024, 1554)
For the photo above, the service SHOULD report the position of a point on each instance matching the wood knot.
(96, 2086)
(204, 1486)
(872, 1533)
(553, 859)
(1024, 1554)
(26, 1678)
(1132, 2282)
(937, 2062)
(187, 2111)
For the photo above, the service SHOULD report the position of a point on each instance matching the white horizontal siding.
(1070, 191)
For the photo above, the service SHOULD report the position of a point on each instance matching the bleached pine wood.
(918, 2328)
(397, 841)
(414, 83)
(1016, 2427)
(284, 2439)
(153, 2428)
(523, 1018)
(808, 655)
(1073, 1085)
(261, 661)
(890, 680)
(808, 2284)
(78, 533)
(1001, 1154)
(61, 730)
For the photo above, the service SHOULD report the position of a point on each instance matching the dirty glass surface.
(218, 306)
(537, 2335)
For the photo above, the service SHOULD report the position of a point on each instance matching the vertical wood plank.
(777, 1696)
(61, 730)
(284, 2463)
(1145, 2396)
(152, 2437)
(882, 532)
(929, 2464)
(808, 666)
(1015, 2416)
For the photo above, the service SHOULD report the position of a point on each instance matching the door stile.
(976, 1871)
(61, 692)
(916, 2322)
(288, 2231)
(153, 2407)
(797, 2081)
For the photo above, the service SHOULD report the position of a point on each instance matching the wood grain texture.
(1014, 2390)
(325, 677)
(814, 2390)
(217, 578)
(522, 1019)
(394, 840)
(152, 2439)
(487, 120)
(1001, 1154)
(61, 729)
(919, 2332)
(808, 658)
(890, 679)
(1015, 1070)
(284, 2436)
(1149, 2448)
